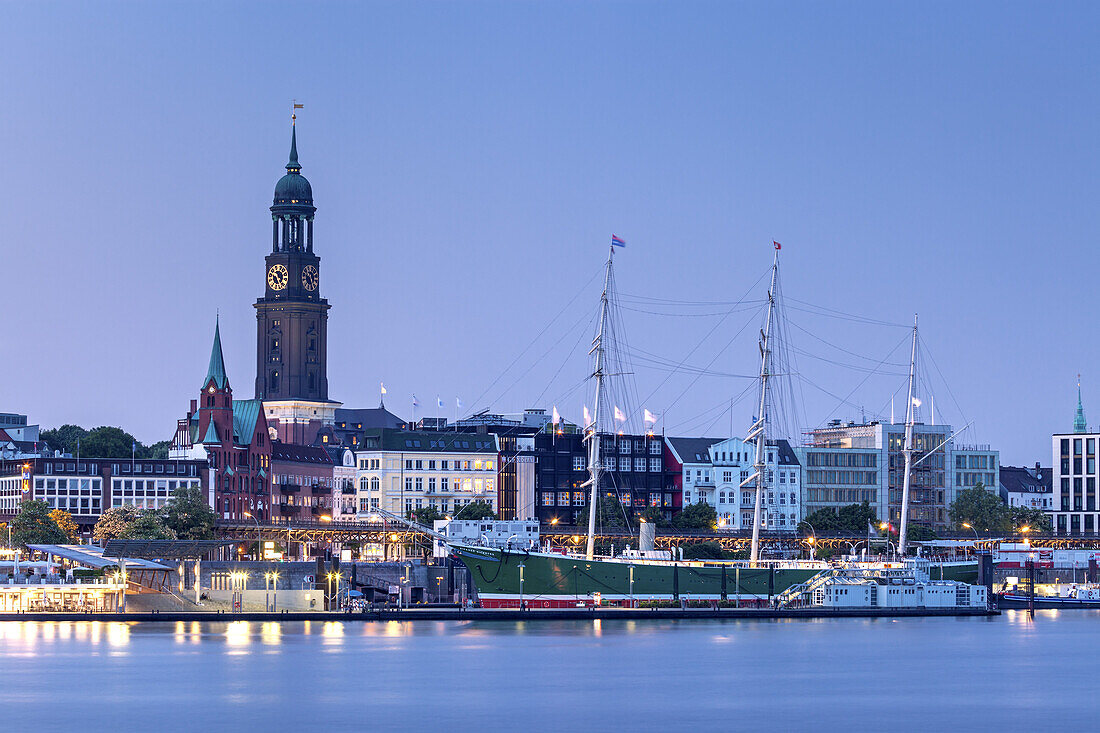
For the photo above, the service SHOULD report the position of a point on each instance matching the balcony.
(319, 490)
(288, 488)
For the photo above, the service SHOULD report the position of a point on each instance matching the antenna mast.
(593, 437)
(757, 430)
(907, 451)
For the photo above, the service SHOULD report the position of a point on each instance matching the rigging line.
(811, 334)
(552, 347)
(926, 350)
(708, 334)
(581, 333)
(643, 355)
(699, 303)
(681, 315)
(834, 362)
(539, 335)
(720, 406)
(850, 315)
(714, 359)
(867, 376)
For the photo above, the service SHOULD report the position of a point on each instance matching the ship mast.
(593, 437)
(907, 451)
(757, 430)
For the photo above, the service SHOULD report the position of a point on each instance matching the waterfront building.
(400, 471)
(344, 504)
(635, 470)
(302, 482)
(86, 487)
(849, 463)
(713, 472)
(292, 317)
(18, 440)
(1026, 487)
(231, 437)
(515, 433)
(1074, 476)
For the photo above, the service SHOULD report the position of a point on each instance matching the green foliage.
(704, 551)
(149, 525)
(1036, 519)
(852, 518)
(101, 442)
(653, 515)
(476, 510)
(609, 513)
(981, 509)
(34, 526)
(425, 515)
(188, 515)
(114, 523)
(696, 516)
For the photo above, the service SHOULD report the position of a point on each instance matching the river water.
(1007, 673)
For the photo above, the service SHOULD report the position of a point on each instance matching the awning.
(92, 556)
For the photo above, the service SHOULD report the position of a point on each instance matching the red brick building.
(232, 435)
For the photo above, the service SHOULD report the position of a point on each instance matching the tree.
(1036, 519)
(425, 515)
(64, 521)
(158, 450)
(475, 510)
(852, 518)
(114, 522)
(710, 550)
(108, 442)
(64, 438)
(188, 515)
(609, 513)
(149, 525)
(653, 515)
(34, 526)
(980, 509)
(696, 516)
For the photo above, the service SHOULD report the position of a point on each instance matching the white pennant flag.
(619, 414)
(556, 418)
(650, 417)
(587, 417)
(916, 402)
(383, 386)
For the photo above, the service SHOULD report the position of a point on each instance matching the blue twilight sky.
(470, 160)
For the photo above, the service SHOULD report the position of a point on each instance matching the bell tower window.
(274, 381)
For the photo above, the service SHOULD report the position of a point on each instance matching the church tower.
(292, 317)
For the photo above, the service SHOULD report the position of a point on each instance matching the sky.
(470, 161)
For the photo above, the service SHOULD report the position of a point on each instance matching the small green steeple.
(292, 165)
(1079, 424)
(216, 370)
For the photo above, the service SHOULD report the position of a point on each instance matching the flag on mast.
(458, 403)
(382, 386)
(438, 401)
(587, 417)
(777, 244)
(416, 402)
(556, 417)
(650, 417)
(619, 414)
(617, 241)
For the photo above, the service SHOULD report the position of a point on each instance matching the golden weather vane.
(293, 106)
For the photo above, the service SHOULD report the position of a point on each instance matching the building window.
(578, 463)
(273, 381)
(655, 465)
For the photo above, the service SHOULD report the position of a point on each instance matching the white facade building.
(402, 471)
(717, 481)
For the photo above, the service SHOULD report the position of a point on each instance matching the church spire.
(1079, 424)
(216, 370)
(293, 165)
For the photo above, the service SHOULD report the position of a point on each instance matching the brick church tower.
(292, 317)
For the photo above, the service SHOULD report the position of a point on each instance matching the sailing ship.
(507, 578)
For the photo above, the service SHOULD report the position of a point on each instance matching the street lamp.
(812, 539)
(521, 586)
(257, 521)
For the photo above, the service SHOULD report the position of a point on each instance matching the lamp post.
(812, 539)
(257, 521)
(521, 586)
(632, 586)
(971, 528)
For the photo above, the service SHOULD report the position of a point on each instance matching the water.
(1007, 673)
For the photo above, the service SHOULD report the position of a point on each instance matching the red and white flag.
(619, 414)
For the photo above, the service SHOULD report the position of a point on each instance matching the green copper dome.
(293, 188)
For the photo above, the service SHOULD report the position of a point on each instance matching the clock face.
(277, 277)
(310, 277)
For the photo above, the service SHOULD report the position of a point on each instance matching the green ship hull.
(553, 581)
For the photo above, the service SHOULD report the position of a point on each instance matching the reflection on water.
(838, 673)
